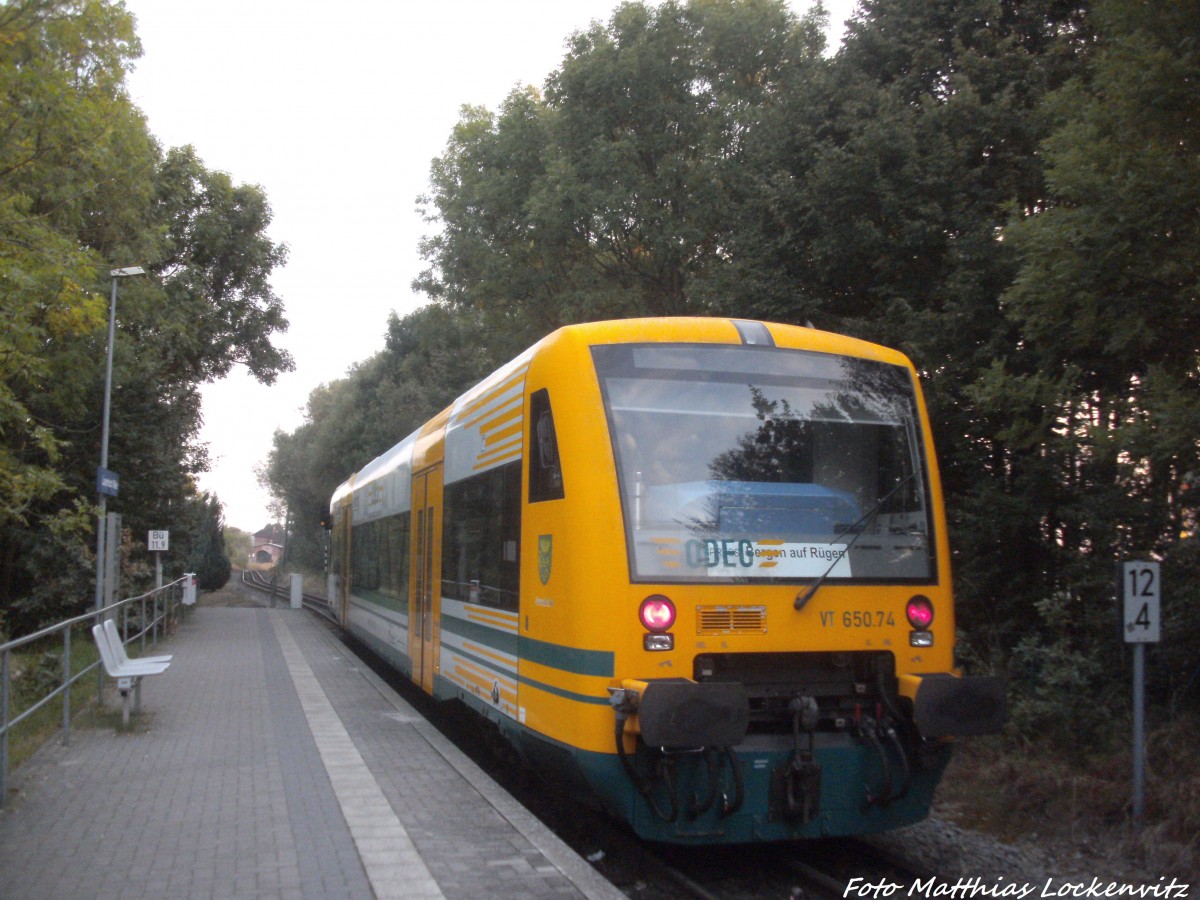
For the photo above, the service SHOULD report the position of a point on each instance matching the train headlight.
(920, 616)
(920, 612)
(658, 642)
(657, 613)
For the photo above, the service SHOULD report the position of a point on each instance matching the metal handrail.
(173, 595)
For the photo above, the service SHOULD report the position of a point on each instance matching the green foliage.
(614, 192)
(215, 266)
(1056, 664)
(84, 187)
(58, 551)
(1003, 190)
(238, 545)
(204, 547)
(1174, 664)
(430, 357)
(63, 117)
(1107, 294)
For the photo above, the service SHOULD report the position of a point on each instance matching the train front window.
(751, 463)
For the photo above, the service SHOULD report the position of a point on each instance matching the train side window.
(481, 531)
(545, 471)
(379, 560)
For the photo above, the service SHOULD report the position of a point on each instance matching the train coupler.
(677, 718)
(796, 786)
(799, 788)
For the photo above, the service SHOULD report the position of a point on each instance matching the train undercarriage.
(773, 746)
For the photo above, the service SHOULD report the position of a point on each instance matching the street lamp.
(106, 481)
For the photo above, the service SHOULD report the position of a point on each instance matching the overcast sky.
(336, 111)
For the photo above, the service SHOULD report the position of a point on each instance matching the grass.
(1031, 790)
(36, 671)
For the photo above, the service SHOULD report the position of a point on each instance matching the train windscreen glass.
(751, 463)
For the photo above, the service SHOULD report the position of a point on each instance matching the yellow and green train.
(695, 569)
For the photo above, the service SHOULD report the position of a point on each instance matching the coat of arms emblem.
(545, 548)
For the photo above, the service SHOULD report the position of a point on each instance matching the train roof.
(652, 330)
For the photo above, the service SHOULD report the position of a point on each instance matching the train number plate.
(858, 618)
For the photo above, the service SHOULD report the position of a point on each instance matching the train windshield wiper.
(858, 528)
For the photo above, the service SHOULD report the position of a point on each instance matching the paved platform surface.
(270, 762)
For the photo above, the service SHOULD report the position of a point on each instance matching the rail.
(165, 601)
(271, 586)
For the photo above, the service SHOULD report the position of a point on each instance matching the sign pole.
(1142, 593)
(1139, 732)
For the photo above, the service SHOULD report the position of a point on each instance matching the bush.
(1061, 686)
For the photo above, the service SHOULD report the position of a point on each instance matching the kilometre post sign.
(1140, 586)
(159, 541)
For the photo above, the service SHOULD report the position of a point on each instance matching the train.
(694, 570)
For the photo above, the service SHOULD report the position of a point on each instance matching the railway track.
(817, 870)
(814, 870)
(275, 589)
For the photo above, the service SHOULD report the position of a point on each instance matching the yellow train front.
(694, 569)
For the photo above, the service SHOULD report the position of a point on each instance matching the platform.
(270, 762)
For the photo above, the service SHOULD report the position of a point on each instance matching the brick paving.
(270, 762)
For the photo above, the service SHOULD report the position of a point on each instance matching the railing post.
(66, 736)
(99, 670)
(4, 726)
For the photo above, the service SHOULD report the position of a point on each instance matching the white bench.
(114, 640)
(128, 673)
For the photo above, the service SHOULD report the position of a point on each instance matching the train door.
(341, 564)
(427, 580)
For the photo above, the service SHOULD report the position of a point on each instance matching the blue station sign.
(107, 483)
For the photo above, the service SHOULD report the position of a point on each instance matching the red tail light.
(657, 613)
(919, 612)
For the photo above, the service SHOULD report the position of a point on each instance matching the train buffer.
(127, 672)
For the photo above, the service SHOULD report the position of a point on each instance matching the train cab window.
(545, 472)
(751, 463)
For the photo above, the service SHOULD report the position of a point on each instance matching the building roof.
(272, 533)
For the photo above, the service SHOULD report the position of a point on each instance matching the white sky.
(336, 110)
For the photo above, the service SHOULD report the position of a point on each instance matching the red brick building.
(268, 545)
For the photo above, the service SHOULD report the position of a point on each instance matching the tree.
(204, 548)
(215, 268)
(85, 187)
(1106, 301)
(65, 129)
(430, 357)
(972, 182)
(238, 545)
(611, 194)
(873, 207)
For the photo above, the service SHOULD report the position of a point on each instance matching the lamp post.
(106, 481)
